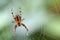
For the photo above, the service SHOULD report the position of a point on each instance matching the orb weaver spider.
(18, 22)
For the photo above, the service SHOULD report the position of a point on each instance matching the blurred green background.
(42, 18)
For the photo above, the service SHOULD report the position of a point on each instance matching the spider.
(18, 22)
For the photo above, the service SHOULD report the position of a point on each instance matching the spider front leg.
(12, 21)
(23, 19)
(15, 30)
(24, 26)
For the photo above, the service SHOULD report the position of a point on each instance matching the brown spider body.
(17, 19)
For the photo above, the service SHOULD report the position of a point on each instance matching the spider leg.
(12, 13)
(24, 26)
(23, 19)
(15, 29)
(12, 21)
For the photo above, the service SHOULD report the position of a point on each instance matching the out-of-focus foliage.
(53, 6)
(5, 33)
